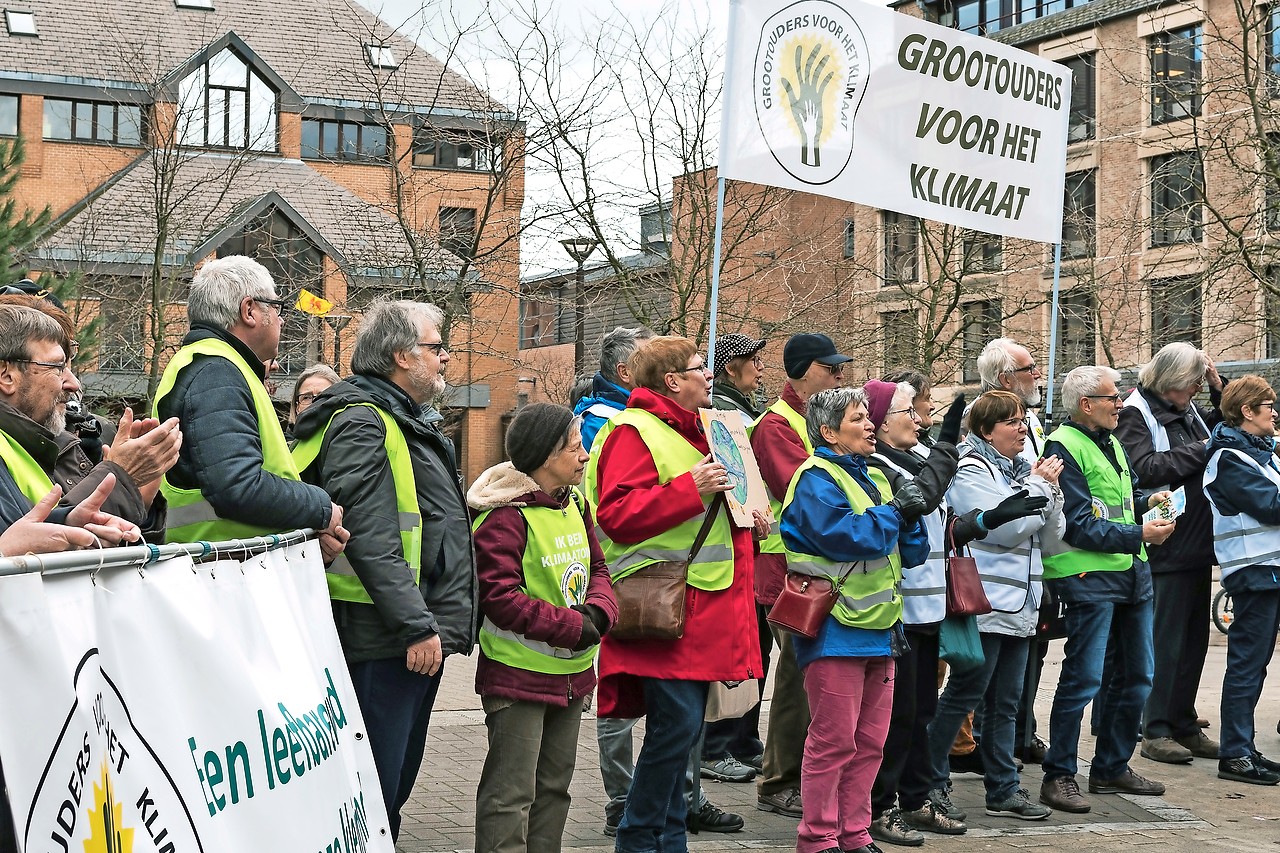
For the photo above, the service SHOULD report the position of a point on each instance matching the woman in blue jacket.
(1242, 482)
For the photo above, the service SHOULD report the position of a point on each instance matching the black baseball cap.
(803, 350)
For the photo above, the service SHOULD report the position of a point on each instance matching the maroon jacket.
(779, 453)
(500, 542)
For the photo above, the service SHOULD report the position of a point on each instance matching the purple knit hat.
(879, 398)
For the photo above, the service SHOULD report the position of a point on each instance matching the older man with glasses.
(1006, 365)
(1100, 571)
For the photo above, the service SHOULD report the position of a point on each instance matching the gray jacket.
(353, 468)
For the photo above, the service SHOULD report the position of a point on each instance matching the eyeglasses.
(307, 397)
(73, 349)
(1271, 406)
(59, 367)
(1114, 398)
(280, 304)
(1030, 368)
(701, 367)
(836, 369)
(757, 360)
(437, 348)
(910, 410)
(1016, 422)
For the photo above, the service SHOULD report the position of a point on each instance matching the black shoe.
(1265, 763)
(1245, 769)
(712, 818)
(1033, 754)
(970, 762)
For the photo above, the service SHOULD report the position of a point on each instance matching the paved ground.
(1199, 814)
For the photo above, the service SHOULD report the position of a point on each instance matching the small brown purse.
(804, 603)
(651, 600)
(965, 595)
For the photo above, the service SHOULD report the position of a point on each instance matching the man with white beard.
(1006, 365)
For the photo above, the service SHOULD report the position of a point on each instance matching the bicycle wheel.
(1222, 611)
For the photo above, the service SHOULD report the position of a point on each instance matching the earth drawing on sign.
(726, 452)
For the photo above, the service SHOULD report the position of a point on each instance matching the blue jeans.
(997, 683)
(613, 737)
(1250, 644)
(1089, 624)
(396, 706)
(654, 818)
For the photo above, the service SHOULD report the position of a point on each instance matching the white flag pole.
(1053, 331)
(726, 109)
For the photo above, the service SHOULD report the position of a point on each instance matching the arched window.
(224, 104)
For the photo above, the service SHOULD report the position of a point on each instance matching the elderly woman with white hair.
(1164, 434)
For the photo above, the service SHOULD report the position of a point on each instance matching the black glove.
(950, 431)
(590, 636)
(1016, 506)
(909, 502)
(596, 615)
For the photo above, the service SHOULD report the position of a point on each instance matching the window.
(91, 121)
(850, 247)
(20, 23)
(981, 324)
(380, 56)
(8, 115)
(1176, 193)
(542, 322)
(194, 4)
(1076, 338)
(121, 348)
(458, 230)
(900, 236)
(1272, 50)
(1175, 75)
(1175, 312)
(982, 253)
(1084, 99)
(987, 16)
(343, 140)
(1271, 299)
(900, 331)
(1079, 215)
(437, 148)
(224, 104)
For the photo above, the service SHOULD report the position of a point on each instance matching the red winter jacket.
(779, 453)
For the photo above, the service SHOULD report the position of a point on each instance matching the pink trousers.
(850, 702)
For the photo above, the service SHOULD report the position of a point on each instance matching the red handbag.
(805, 603)
(965, 595)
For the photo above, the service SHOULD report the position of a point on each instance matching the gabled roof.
(316, 46)
(216, 195)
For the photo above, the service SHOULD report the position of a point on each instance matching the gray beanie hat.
(534, 434)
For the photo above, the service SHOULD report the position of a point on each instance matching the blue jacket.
(1240, 488)
(598, 406)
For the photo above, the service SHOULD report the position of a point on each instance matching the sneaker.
(1033, 753)
(866, 848)
(1265, 763)
(1063, 793)
(1020, 806)
(1202, 722)
(941, 800)
(1165, 750)
(969, 762)
(727, 769)
(1200, 745)
(931, 818)
(755, 762)
(891, 828)
(611, 825)
(786, 802)
(1246, 769)
(712, 818)
(1127, 782)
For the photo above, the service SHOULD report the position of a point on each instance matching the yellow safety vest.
(344, 583)
(26, 471)
(773, 543)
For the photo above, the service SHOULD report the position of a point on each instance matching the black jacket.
(1190, 548)
(354, 470)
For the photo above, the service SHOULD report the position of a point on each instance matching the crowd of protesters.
(862, 737)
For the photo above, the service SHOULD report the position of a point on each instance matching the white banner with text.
(859, 102)
(182, 707)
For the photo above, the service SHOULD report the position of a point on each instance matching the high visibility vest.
(26, 471)
(344, 583)
(773, 543)
(1159, 435)
(1112, 498)
(556, 568)
(1241, 540)
(191, 518)
(924, 588)
(1009, 575)
(869, 597)
(673, 456)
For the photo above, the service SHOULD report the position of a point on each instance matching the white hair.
(1082, 382)
(996, 358)
(222, 284)
(1178, 365)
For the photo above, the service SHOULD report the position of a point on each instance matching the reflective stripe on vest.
(1159, 435)
(344, 583)
(1112, 493)
(1241, 540)
(555, 569)
(673, 456)
(773, 542)
(31, 479)
(191, 518)
(924, 587)
(869, 596)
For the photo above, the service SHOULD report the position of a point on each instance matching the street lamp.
(580, 248)
(337, 322)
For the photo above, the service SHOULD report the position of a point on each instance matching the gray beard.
(1033, 399)
(56, 423)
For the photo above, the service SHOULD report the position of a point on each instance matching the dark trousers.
(396, 706)
(904, 770)
(1182, 618)
(1250, 644)
(8, 842)
(1030, 686)
(740, 737)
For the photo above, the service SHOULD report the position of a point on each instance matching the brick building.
(310, 135)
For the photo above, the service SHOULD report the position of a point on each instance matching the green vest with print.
(673, 456)
(344, 583)
(555, 569)
(773, 543)
(1112, 497)
(26, 471)
(869, 597)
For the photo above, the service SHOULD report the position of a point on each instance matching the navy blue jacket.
(1241, 488)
